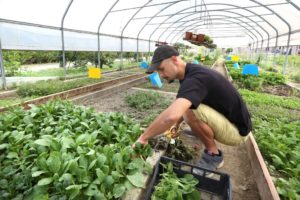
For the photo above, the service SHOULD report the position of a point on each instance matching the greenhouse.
(149, 99)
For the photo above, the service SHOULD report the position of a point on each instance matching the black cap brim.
(152, 68)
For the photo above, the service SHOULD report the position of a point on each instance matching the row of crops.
(62, 151)
(276, 121)
(28, 91)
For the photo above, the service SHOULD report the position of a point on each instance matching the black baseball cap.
(161, 53)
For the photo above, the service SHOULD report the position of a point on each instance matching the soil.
(281, 90)
(116, 103)
(237, 164)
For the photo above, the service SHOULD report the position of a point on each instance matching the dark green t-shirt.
(203, 85)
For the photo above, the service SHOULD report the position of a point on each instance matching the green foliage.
(255, 83)
(279, 140)
(11, 67)
(148, 119)
(272, 69)
(259, 58)
(207, 57)
(292, 60)
(276, 125)
(250, 82)
(208, 63)
(172, 187)
(229, 63)
(43, 88)
(179, 151)
(208, 39)
(62, 151)
(260, 99)
(12, 100)
(143, 101)
(296, 77)
(72, 71)
(182, 48)
(142, 150)
(229, 50)
(244, 62)
(272, 78)
(198, 57)
(31, 57)
(11, 63)
(107, 58)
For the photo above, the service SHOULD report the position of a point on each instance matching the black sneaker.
(211, 162)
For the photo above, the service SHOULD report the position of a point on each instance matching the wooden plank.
(265, 185)
(10, 93)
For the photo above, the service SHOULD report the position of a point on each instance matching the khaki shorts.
(224, 131)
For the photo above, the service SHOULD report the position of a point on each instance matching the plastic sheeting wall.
(22, 37)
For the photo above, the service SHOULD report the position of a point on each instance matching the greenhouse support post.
(275, 50)
(137, 51)
(286, 54)
(149, 47)
(2, 69)
(62, 37)
(121, 63)
(132, 17)
(98, 32)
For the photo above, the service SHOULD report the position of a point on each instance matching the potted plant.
(200, 37)
(188, 35)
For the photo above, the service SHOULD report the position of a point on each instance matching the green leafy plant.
(62, 151)
(276, 129)
(11, 67)
(171, 187)
(42, 88)
(296, 77)
(272, 78)
(145, 100)
(229, 50)
(208, 39)
(255, 83)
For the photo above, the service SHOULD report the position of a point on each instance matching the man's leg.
(201, 130)
(212, 158)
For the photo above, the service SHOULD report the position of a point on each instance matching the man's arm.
(166, 119)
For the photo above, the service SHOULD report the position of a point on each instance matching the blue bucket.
(250, 69)
(144, 65)
(155, 80)
(236, 65)
(196, 62)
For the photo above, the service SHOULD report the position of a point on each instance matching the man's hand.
(140, 140)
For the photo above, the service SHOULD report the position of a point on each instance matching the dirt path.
(220, 67)
(237, 164)
(295, 85)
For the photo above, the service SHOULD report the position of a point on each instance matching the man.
(206, 101)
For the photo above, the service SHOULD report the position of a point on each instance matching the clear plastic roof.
(132, 25)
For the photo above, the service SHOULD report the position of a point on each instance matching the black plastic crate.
(216, 187)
